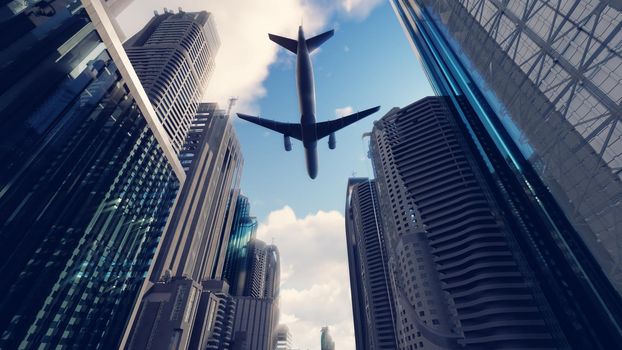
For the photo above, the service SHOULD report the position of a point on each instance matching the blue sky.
(367, 63)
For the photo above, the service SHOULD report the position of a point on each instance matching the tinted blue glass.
(85, 189)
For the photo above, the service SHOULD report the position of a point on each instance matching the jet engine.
(287, 142)
(332, 141)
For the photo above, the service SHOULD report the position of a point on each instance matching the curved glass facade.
(236, 262)
(532, 74)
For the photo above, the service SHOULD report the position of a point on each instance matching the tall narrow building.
(543, 81)
(326, 340)
(372, 298)
(173, 56)
(458, 274)
(87, 178)
(196, 241)
(192, 253)
(257, 310)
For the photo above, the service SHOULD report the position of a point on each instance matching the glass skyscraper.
(243, 230)
(544, 83)
(87, 178)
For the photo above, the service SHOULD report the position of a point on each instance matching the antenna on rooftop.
(232, 102)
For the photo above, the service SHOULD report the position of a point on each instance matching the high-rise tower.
(192, 252)
(326, 340)
(372, 298)
(458, 275)
(542, 81)
(173, 56)
(198, 233)
(87, 178)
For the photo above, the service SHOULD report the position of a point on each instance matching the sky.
(368, 62)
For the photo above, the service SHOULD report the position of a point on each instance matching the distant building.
(326, 341)
(372, 298)
(243, 231)
(173, 56)
(263, 276)
(87, 179)
(458, 275)
(214, 329)
(257, 313)
(283, 338)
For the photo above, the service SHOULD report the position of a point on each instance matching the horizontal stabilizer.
(324, 129)
(318, 40)
(290, 44)
(287, 129)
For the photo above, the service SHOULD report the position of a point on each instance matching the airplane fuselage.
(309, 131)
(306, 103)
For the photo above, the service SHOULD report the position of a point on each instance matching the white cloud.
(245, 55)
(344, 111)
(359, 8)
(316, 291)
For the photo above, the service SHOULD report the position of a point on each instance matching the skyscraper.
(326, 341)
(255, 322)
(87, 178)
(173, 56)
(262, 280)
(193, 250)
(457, 273)
(372, 298)
(243, 231)
(542, 80)
(198, 233)
(257, 309)
(283, 338)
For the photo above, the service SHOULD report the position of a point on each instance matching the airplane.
(308, 130)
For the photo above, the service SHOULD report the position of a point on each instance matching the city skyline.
(136, 210)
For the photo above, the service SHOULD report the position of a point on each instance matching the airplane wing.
(324, 129)
(287, 129)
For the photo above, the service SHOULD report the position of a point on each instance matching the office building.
(458, 276)
(326, 340)
(542, 80)
(173, 56)
(87, 179)
(283, 338)
(196, 240)
(243, 230)
(201, 316)
(372, 298)
(255, 322)
(193, 249)
(257, 309)
(262, 280)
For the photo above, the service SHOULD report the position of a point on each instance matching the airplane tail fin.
(318, 40)
(290, 44)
